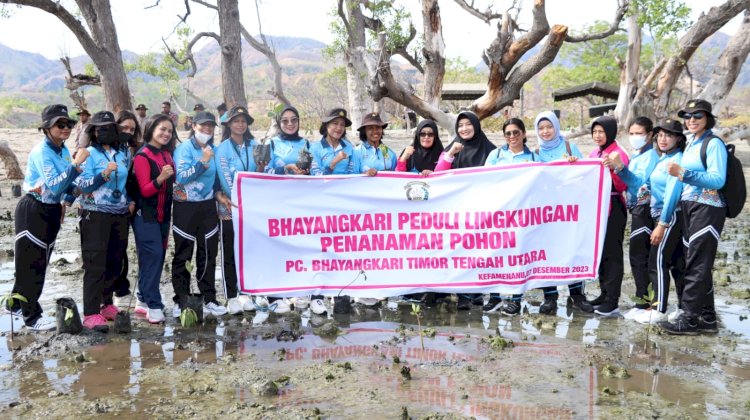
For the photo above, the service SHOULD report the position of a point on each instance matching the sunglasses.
(423, 134)
(513, 133)
(63, 125)
(292, 121)
(697, 115)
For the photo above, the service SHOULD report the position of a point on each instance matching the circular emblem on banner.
(417, 191)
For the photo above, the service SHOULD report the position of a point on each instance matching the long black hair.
(518, 123)
(125, 115)
(152, 122)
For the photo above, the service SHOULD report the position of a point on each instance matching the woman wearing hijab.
(604, 132)
(704, 211)
(552, 147)
(234, 154)
(667, 234)
(468, 149)
(50, 173)
(289, 150)
(105, 207)
(195, 216)
(372, 155)
(153, 170)
(423, 154)
(514, 151)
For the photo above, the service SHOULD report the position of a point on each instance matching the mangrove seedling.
(7, 301)
(416, 310)
(188, 317)
(647, 299)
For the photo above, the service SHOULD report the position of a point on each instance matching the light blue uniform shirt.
(367, 157)
(50, 173)
(97, 194)
(702, 184)
(285, 152)
(323, 154)
(503, 156)
(231, 158)
(194, 181)
(559, 152)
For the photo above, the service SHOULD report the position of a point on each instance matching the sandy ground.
(372, 362)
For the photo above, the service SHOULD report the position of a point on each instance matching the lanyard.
(247, 158)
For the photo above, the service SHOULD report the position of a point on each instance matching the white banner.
(500, 229)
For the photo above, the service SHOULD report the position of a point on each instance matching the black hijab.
(476, 149)
(425, 159)
(609, 125)
(282, 134)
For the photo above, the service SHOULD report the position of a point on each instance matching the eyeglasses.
(62, 125)
(292, 121)
(424, 134)
(697, 115)
(513, 133)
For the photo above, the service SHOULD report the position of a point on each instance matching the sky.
(140, 30)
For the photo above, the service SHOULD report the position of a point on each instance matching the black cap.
(102, 118)
(336, 113)
(199, 107)
(238, 111)
(52, 113)
(372, 118)
(673, 126)
(204, 117)
(695, 105)
(141, 106)
(83, 112)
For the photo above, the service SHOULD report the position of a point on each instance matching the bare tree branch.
(614, 26)
(485, 16)
(345, 21)
(189, 51)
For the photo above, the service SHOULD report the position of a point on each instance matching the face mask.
(637, 141)
(203, 138)
(106, 135)
(127, 138)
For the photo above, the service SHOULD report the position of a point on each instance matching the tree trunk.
(728, 67)
(360, 103)
(433, 51)
(704, 27)
(629, 75)
(10, 161)
(232, 81)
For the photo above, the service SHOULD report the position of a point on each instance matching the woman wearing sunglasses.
(105, 207)
(287, 156)
(703, 212)
(48, 185)
(424, 152)
(514, 151)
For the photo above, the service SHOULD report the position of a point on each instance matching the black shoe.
(549, 307)
(708, 324)
(493, 304)
(342, 305)
(428, 298)
(598, 301)
(580, 302)
(513, 307)
(681, 326)
(464, 303)
(607, 309)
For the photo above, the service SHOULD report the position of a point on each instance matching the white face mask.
(202, 138)
(637, 141)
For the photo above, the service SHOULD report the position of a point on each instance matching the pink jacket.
(618, 185)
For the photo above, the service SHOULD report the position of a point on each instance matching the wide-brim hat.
(670, 125)
(238, 111)
(373, 119)
(203, 117)
(694, 106)
(102, 118)
(83, 112)
(52, 113)
(336, 113)
(199, 107)
(141, 107)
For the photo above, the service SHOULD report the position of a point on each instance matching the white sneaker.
(212, 308)
(234, 306)
(301, 303)
(632, 313)
(260, 317)
(155, 316)
(318, 307)
(122, 302)
(43, 324)
(246, 302)
(176, 312)
(261, 303)
(140, 307)
(280, 306)
(650, 317)
(672, 317)
(366, 301)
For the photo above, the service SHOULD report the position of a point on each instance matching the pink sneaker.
(141, 307)
(96, 322)
(109, 312)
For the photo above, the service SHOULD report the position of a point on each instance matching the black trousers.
(228, 266)
(611, 268)
(661, 260)
(104, 239)
(122, 283)
(37, 225)
(641, 226)
(195, 225)
(702, 226)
